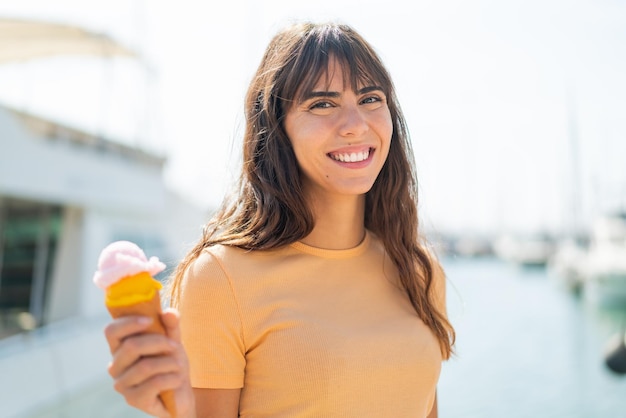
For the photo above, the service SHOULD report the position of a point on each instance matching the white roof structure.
(22, 39)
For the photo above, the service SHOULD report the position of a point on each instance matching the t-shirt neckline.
(326, 253)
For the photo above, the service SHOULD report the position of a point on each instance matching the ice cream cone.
(126, 276)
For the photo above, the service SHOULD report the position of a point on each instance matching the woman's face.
(340, 137)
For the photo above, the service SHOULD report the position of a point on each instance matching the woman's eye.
(321, 105)
(371, 99)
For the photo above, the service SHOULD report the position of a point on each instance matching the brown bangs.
(310, 64)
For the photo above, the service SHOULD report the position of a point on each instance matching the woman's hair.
(269, 208)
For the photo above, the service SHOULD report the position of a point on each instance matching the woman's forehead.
(334, 75)
(338, 74)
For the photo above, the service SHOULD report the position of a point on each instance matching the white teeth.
(352, 157)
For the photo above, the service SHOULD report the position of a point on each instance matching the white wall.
(79, 174)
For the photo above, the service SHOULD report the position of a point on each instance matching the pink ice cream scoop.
(121, 259)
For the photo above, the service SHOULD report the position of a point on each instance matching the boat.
(567, 264)
(525, 250)
(605, 262)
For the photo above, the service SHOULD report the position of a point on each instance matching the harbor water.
(525, 348)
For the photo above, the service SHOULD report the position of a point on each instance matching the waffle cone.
(152, 309)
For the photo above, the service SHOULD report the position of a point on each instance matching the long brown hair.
(269, 209)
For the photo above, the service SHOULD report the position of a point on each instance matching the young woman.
(311, 293)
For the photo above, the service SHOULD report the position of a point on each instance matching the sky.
(516, 108)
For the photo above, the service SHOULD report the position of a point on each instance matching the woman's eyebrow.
(336, 94)
(368, 89)
(315, 94)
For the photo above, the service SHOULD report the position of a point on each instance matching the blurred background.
(121, 120)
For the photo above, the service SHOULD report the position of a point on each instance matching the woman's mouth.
(351, 157)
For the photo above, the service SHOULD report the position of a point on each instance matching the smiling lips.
(351, 157)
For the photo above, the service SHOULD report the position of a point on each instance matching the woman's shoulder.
(230, 253)
(228, 258)
(211, 269)
(214, 257)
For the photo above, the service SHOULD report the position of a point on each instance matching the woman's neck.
(339, 223)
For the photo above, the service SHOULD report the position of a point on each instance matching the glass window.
(29, 233)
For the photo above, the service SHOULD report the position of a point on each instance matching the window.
(29, 233)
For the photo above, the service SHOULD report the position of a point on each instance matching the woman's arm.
(433, 412)
(217, 403)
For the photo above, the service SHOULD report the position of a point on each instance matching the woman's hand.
(143, 365)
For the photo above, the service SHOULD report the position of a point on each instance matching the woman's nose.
(353, 121)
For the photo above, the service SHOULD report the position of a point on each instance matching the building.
(64, 195)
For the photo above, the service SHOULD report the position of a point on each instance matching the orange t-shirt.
(308, 332)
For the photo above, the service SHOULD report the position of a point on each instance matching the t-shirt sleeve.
(211, 326)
